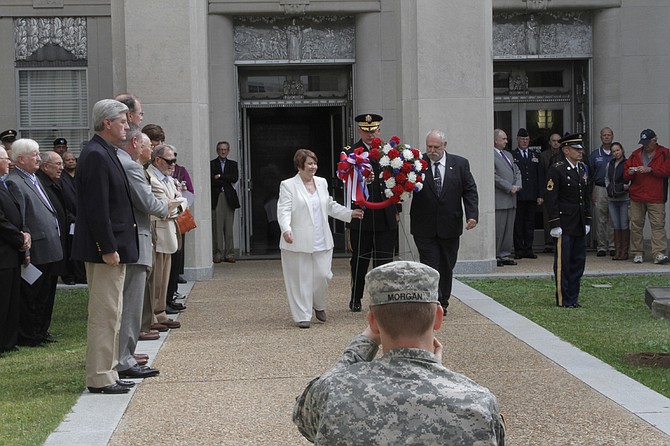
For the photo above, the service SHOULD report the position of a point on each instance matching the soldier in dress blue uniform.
(569, 208)
(529, 197)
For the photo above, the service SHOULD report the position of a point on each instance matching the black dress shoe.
(530, 256)
(500, 262)
(176, 305)
(601, 254)
(138, 371)
(355, 306)
(124, 383)
(508, 262)
(518, 256)
(111, 389)
(180, 279)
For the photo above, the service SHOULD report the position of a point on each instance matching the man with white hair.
(105, 240)
(41, 218)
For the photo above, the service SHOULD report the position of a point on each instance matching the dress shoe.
(500, 262)
(320, 315)
(303, 324)
(601, 253)
(148, 336)
(124, 383)
(508, 262)
(138, 371)
(169, 309)
(54, 335)
(68, 280)
(518, 256)
(355, 306)
(180, 279)
(159, 327)
(216, 260)
(111, 389)
(612, 253)
(229, 260)
(530, 256)
(178, 295)
(169, 323)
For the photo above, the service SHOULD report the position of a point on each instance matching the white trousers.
(306, 276)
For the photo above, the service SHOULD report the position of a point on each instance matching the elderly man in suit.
(41, 218)
(165, 232)
(223, 175)
(436, 215)
(14, 242)
(106, 240)
(144, 204)
(507, 183)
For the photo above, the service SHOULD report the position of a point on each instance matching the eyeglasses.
(170, 162)
(140, 113)
(3, 158)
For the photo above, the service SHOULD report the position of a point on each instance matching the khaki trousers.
(158, 283)
(222, 228)
(105, 306)
(659, 239)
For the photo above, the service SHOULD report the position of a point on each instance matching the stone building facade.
(273, 75)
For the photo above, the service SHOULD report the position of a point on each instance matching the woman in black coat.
(618, 201)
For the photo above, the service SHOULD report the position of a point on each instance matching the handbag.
(186, 222)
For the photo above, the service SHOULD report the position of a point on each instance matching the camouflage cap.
(402, 281)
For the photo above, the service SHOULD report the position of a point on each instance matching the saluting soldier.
(569, 209)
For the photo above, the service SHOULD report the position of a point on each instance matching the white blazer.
(294, 213)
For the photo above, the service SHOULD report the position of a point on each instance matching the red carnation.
(393, 153)
(416, 153)
(395, 139)
(397, 190)
(342, 165)
(406, 168)
(395, 199)
(376, 143)
(409, 186)
(386, 174)
(358, 150)
(424, 164)
(374, 154)
(400, 178)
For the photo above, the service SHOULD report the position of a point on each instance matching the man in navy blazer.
(105, 239)
(223, 175)
(436, 215)
(41, 218)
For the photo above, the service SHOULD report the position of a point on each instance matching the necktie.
(525, 154)
(437, 177)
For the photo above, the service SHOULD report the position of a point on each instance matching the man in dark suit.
(14, 241)
(436, 215)
(529, 197)
(569, 208)
(75, 272)
(105, 240)
(41, 218)
(374, 236)
(223, 175)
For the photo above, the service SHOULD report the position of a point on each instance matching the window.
(53, 103)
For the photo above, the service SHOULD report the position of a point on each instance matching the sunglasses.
(170, 162)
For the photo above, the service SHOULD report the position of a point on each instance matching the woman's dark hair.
(301, 156)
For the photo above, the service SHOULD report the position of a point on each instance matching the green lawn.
(39, 385)
(611, 323)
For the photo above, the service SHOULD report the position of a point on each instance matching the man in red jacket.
(648, 169)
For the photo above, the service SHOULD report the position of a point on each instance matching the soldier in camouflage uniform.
(405, 397)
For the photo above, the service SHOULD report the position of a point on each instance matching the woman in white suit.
(306, 243)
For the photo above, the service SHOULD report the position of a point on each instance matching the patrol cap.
(60, 142)
(523, 133)
(9, 135)
(368, 122)
(402, 281)
(573, 140)
(646, 136)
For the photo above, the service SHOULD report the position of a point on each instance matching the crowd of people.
(108, 219)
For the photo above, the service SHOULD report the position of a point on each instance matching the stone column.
(606, 73)
(446, 82)
(166, 66)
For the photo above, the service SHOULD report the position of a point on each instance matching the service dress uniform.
(569, 208)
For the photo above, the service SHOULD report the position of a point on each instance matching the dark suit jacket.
(225, 181)
(40, 218)
(442, 216)
(11, 224)
(532, 175)
(375, 220)
(105, 218)
(55, 194)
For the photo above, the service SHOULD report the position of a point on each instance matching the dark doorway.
(274, 134)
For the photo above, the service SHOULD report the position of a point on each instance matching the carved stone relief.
(536, 5)
(31, 34)
(294, 39)
(542, 34)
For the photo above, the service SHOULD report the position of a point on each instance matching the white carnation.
(384, 161)
(411, 177)
(405, 196)
(388, 193)
(396, 163)
(408, 155)
(390, 183)
(418, 186)
(417, 165)
(386, 148)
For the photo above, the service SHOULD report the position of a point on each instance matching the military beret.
(368, 122)
(573, 140)
(402, 281)
(8, 134)
(523, 133)
(60, 142)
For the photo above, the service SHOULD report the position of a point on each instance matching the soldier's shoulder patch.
(550, 184)
(558, 163)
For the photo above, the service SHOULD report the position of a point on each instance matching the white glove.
(587, 228)
(556, 232)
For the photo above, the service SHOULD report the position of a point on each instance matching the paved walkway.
(230, 375)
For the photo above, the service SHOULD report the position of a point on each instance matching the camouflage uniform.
(405, 397)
